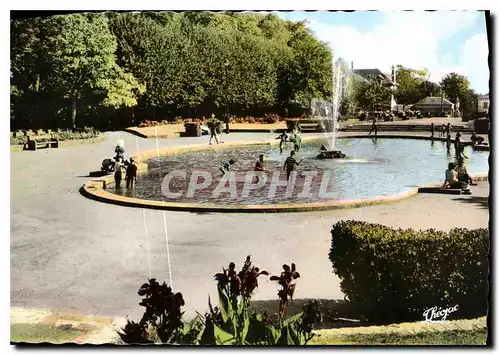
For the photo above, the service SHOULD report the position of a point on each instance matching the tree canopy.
(370, 95)
(85, 68)
(72, 60)
(410, 85)
(91, 69)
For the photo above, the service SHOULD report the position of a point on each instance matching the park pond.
(372, 167)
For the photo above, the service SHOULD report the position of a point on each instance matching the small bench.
(308, 127)
(42, 141)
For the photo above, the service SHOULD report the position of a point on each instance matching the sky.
(441, 41)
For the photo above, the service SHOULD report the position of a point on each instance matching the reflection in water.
(370, 169)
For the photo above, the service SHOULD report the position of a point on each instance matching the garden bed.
(21, 137)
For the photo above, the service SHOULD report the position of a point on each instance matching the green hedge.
(394, 274)
(63, 135)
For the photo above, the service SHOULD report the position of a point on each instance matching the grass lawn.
(447, 337)
(37, 333)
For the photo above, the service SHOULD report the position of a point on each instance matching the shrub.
(395, 275)
(17, 140)
(172, 120)
(271, 118)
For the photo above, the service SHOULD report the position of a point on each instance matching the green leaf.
(292, 319)
(225, 306)
(222, 337)
(246, 326)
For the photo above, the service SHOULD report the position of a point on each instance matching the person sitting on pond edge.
(475, 139)
(451, 178)
(462, 174)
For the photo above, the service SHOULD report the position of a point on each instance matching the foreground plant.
(287, 286)
(163, 314)
(229, 323)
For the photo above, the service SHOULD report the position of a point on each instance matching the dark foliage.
(395, 275)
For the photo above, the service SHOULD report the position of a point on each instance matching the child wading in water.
(290, 164)
(283, 138)
(226, 166)
(259, 166)
(131, 174)
(296, 142)
(118, 172)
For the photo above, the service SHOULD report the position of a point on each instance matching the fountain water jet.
(336, 91)
(331, 111)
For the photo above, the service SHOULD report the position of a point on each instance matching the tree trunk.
(73, 115)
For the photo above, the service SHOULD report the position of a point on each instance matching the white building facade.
(483, 103)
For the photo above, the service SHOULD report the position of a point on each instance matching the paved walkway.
(73, 254)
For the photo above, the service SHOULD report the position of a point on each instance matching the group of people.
(289, 165)
(445, 131)
(457, 177)
(120, 165)
(294, 138)
(457, 142)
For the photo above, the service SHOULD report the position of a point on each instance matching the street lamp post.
(227, 106)
(442, 102)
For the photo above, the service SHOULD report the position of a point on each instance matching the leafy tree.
(75, 62)
(191, 63)
(409, 85)
(455, 86)
(370, 95)
(27, 90)
(429, 88)
(310, 69)
(468, 105)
